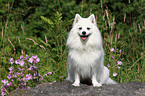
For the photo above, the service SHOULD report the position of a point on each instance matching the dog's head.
(84, 26)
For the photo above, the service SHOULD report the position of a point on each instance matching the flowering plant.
(23, 74)
(115, 55)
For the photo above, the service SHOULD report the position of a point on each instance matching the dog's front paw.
(97, 85)
(76, 84)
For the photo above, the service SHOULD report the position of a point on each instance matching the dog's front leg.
(94, 81)
(77, 80)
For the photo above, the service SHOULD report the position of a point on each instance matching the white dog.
(86, 54)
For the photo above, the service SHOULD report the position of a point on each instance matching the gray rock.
(66, 89)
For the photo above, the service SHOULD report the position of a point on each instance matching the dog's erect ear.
(77, 18)
(92, 18)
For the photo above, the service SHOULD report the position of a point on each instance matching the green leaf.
(47, 20)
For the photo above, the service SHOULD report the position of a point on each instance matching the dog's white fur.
(86, 57)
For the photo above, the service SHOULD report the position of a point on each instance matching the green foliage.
(47, 20)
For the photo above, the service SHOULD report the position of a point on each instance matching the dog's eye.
(80, 28)
(88, 28)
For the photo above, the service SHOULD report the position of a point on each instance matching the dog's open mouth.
(84, 37)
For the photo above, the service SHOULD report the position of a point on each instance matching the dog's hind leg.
(94, 81)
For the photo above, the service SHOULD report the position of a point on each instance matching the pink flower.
(49, 73)
(41, 78)
(37, 60)
(119, 62)
(28, 88)
(118, 67)
(34, 57)
(18, 73)
(19, 79)
(11, 71)
(35, 74)
(120, 51)
(114, 74)
(4, 81)
(11, 60)
(33, 68)
(11, 68)
(112, 56)
(39, 74)
(21, 62)
(27, 56)
(28, 77)
(16, 62)
(108, 65)
(3, 91)
(25, 83)
(30, 60)
(14, 76)
(9, 76)
(21, 69)
(21, 57)
(112, 49)
(24, 79)
(9, 84)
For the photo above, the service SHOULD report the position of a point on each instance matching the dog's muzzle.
(84, 36)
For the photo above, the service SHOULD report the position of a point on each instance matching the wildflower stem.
(5, 89)
(135, 62)
(12, 45)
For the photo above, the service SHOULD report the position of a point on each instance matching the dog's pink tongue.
(84, 38)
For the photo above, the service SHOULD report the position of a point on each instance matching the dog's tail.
(107, 79)
(110, 81)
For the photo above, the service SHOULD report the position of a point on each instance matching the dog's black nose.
(83, 32)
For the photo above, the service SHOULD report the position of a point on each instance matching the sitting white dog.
(86, 54)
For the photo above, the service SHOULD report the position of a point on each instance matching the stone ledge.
(66, 89)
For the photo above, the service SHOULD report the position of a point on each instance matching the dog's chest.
(85, 57)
